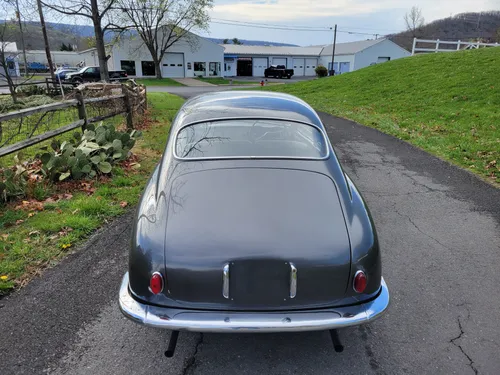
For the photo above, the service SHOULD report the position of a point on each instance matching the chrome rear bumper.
(231, 321)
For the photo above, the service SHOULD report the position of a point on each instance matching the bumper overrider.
(231, 321)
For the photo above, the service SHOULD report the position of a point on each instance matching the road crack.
(190, 363)
(453, 342)
(421, 231)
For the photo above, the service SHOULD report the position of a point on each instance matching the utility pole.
(332, 71)
(18, 15)
(46, 40)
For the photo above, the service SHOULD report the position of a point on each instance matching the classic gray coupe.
(249, 224)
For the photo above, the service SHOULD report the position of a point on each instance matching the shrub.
(89, 154)
(31, 90)
(321, 71)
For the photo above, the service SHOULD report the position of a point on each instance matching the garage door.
(310, 67)
(259, 65)
(173, 65)
(298, 67)
(279, 61)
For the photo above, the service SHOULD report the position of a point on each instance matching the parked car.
(61, 73)
(93, 74)
(278, 71)
(249, 224)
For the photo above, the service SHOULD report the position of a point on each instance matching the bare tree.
(414, 20)
(46, 40)
(99, 13)
(162, 23)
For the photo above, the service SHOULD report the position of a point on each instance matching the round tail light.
(156, 283)
(360, 281)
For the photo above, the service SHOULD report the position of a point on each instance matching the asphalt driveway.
(439, 229)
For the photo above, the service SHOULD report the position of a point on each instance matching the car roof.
(245, 104)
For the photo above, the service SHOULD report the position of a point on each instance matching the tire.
(266, 75)
(77, 81)
(280, 75)
(289, 76)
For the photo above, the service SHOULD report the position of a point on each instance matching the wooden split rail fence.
(132, 100)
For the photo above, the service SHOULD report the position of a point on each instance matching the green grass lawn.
(158, 82)
(31, 240)
(224, 81)
(445, 103)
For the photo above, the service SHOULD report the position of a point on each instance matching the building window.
(128, 66)
(148, 68)
(189, 66)
(199, 68)
(214, 68)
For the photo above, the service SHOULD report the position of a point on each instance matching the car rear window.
(252, 139)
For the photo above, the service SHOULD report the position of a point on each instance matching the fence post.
(145, 97)
(128, 108)
(82, 113)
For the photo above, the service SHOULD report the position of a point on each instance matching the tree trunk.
(18, 14)
(46, 41)
(99, 41)
(12, 86)
(158, 68)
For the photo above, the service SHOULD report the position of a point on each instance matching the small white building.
(246, 60)
(11, 55)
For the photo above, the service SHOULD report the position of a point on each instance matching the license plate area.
(259, 282)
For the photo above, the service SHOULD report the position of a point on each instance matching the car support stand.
(172, 343)
(337, 345)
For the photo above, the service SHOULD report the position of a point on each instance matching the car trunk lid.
(259, 223)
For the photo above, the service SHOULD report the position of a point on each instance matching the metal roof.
(349, 48)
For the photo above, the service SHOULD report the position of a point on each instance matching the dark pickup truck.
(278, 71)
(93, 74)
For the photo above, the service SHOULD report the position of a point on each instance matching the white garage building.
(243, 60)
(198, 57)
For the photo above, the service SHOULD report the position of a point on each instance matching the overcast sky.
(371, 16)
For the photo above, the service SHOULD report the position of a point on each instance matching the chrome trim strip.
(325, 140)
(232, 321)
(293, 280)
(225, 281)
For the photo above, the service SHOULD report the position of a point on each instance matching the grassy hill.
(447, 104)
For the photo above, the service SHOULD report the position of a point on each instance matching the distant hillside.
(77, 34)
(34, 39)
(464, 26)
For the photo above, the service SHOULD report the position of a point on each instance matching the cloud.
(296, 10)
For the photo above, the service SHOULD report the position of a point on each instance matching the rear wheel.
(77, 81)
(280, 75)
(289, 76)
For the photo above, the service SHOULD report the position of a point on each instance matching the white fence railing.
(446, 46)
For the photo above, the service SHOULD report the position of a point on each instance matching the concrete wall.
(58, 57)
(371, 54)
(326, 60)
(201, 50)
